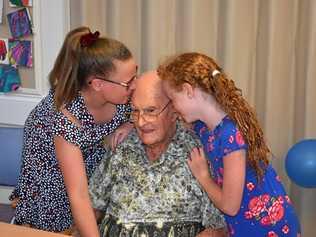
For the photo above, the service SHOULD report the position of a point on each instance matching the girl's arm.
(72, 167)
(228, 197)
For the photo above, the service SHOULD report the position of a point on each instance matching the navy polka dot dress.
(43, 199)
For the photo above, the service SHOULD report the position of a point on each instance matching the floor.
(6, 213)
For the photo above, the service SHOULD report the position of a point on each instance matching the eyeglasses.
(150, 115)
(127, 84)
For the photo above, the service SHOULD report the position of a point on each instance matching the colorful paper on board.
(20, 53)
(20, 23)
(9, 78)
(21, 3)
(4, 51)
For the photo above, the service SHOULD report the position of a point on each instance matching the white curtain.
(267, 46)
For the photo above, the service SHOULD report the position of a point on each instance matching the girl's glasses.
(127, 84)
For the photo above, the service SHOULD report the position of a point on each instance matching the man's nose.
(140, 121)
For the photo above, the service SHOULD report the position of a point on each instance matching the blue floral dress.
(43, 201)
(266, 210)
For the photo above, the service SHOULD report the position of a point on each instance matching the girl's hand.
(119, 134)
(199, 165)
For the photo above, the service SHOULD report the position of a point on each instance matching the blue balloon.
(300, 163)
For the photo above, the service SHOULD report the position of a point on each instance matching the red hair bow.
(87, 39)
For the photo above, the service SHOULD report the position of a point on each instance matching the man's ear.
(188, 89)
(174, 114)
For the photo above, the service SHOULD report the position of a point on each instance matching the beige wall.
(267, 46)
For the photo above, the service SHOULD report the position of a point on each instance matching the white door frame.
(51, 22)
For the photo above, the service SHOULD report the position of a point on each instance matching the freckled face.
(181, 102)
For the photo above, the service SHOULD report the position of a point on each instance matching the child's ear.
(188, 89)
(175, 115)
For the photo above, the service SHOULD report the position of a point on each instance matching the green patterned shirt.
(129, 187)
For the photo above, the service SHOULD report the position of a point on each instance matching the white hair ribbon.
(215, 72)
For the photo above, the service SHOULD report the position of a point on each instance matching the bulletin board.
(26, 72)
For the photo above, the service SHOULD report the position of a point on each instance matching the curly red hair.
(196, 69)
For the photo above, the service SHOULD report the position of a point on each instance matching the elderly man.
(146, 187)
